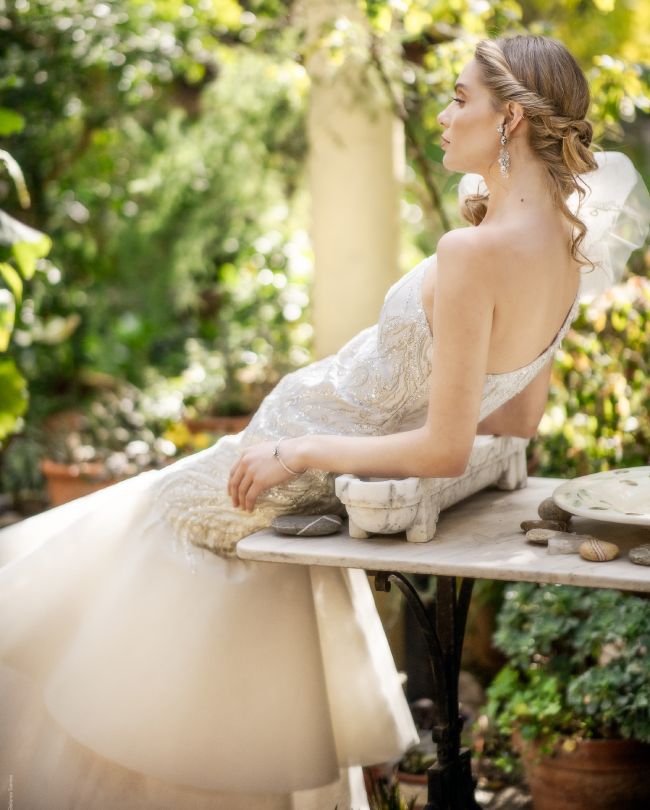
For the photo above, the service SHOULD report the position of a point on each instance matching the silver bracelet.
(276, 453)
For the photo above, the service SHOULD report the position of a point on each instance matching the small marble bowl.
(378, 505)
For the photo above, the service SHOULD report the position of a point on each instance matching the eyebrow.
(460, 86)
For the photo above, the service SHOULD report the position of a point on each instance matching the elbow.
(445, 466)
(449, 458)
(458, 468)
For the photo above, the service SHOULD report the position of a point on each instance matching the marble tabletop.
(478, 537)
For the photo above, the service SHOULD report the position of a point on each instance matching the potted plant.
(575, 694)
(119, 434)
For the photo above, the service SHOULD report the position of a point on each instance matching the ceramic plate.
(619, 496)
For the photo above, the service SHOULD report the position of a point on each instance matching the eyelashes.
(458, 100)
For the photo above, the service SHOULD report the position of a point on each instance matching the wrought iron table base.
(450, 782)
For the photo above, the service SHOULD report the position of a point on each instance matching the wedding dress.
(142, 665)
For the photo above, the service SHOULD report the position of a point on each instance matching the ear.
(513, 114)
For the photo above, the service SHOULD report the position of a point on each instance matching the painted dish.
(618, 496)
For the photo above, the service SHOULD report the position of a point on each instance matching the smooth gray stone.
(640, 555)
(555, 525)
(549, 510)
(307, 525)
(539, 536)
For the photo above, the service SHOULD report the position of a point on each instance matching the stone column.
(355, 169)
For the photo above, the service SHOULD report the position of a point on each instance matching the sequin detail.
(377, 383)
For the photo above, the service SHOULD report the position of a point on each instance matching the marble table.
(477, 538)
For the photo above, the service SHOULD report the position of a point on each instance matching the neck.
(525, 189)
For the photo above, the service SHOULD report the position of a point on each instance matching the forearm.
(397, 455)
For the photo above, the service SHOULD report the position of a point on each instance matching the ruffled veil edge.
(615, 210)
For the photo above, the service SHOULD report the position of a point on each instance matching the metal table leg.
(450, 782)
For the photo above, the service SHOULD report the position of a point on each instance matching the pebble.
(540, 536)
(307, 525)
(598, 550)
(640, 555)
(549, 510)
(558, 526)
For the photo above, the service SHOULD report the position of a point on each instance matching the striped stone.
(598, 550)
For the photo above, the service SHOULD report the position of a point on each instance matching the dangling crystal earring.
(504, 155)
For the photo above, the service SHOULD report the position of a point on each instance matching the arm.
(521, 415)
(462, 323)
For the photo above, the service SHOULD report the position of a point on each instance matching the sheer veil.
(615, 210)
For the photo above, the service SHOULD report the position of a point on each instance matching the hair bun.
(581, 129)
(575, 146)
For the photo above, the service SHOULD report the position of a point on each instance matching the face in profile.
(469, 122)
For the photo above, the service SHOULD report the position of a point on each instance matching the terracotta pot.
(597, 775)
(65, 482)
(218, 424)
(413, 778)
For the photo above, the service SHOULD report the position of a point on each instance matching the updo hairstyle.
(540, 74)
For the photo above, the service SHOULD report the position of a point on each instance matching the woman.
(144, 672)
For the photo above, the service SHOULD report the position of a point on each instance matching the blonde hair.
(540, 74)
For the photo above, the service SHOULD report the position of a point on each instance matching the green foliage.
(578, 664)
(21, 248)
(598, 416)
(13, 397)
(174, 222)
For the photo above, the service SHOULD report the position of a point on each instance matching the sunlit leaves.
(7, 317)
(20, 248)
(10, 122)
(26, 245)
(13, 394)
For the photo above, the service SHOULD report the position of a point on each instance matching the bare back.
(535, 285)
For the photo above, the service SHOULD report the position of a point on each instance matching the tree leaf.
(7, 318)
(12, 279)
(26, 254)
(10, 122)
(13, 397)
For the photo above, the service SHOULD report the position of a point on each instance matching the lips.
(445, 142)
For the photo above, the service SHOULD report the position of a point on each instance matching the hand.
(256, 470)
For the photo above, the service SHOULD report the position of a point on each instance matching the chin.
(453, 164)
(450, 164)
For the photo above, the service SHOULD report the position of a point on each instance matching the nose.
(442, 117)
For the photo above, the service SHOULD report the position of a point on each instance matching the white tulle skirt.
(131, 678)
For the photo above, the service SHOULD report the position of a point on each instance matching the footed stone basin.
(380, 505)
(413, 505)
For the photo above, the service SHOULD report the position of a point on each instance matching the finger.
(251, 496)
(235, 482)
(244, 486)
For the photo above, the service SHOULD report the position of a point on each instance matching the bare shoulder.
(484, 244)
(469, 256)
